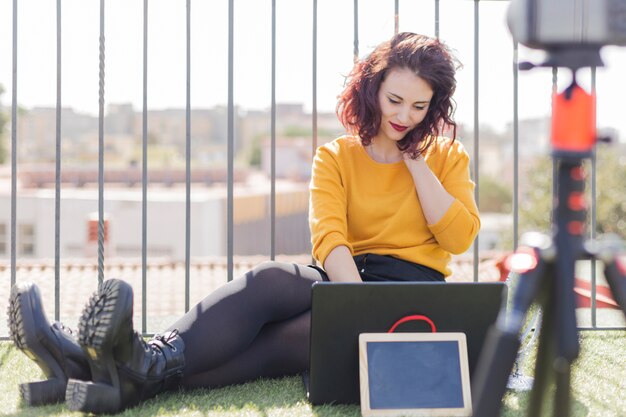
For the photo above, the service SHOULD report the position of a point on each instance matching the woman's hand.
(412, 163)
(340, 266)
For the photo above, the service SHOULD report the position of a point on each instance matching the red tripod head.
(573, 122)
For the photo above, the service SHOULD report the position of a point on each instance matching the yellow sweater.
(372, 207)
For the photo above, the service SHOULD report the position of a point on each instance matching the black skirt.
(374, 267)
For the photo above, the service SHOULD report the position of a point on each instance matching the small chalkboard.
(414, 374)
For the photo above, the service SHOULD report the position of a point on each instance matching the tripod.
(546, 266)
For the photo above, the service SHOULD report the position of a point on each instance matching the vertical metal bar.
(515, 145)
(437, 19)
(355, 53)
(144, 176)
(555, 79)
(476, 126)
(57, 181)
(594, 214)
(101, 150)
(593, 228)
(314, 81)
(14, 147)
(396, 18)
(188, 162)
(273, 139)
(231, 139)
(314, 95)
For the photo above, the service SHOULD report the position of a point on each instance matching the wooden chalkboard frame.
(368, 411)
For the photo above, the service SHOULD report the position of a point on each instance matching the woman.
(390, 201)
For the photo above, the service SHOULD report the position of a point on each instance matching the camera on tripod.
(571, 31)
(556, 24)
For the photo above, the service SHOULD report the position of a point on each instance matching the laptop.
(341, 311)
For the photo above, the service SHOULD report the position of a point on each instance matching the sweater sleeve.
(456, 230)
(327, 205)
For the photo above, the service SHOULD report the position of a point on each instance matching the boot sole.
(23, 319)
(98, 334)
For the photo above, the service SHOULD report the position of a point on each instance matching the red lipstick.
(399, 128)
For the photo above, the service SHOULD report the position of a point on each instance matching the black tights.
(254, 326)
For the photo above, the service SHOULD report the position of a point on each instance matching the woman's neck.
(385, 152)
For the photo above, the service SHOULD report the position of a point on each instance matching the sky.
(36, 84)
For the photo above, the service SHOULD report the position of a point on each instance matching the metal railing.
(230, 139)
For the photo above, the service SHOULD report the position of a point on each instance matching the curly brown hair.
(358, 108)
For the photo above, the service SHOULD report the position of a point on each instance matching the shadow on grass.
(178, 403)
(516, 403)
(247, 399)
(262, 397)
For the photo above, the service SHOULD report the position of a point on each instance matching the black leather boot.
(125, 369)
(52, 347)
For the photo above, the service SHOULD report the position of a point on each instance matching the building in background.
(166, 232)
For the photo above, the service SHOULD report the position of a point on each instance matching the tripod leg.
(615, 273)
(570, 216)
(562, 398)
(494, 366)
(502, 343)
(550, 368)
(543, 365)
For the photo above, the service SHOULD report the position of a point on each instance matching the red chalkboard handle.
(413, 318)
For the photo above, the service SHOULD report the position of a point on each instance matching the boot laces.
(64, 328)
(148, 347)
(166, 339)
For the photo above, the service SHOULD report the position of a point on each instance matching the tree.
(254, 153)
(494, 196)
(611, 193)
(298, 131)
(536, 201)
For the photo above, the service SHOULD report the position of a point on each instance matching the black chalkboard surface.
(414, 374)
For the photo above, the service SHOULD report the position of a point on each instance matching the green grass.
(598, 390)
